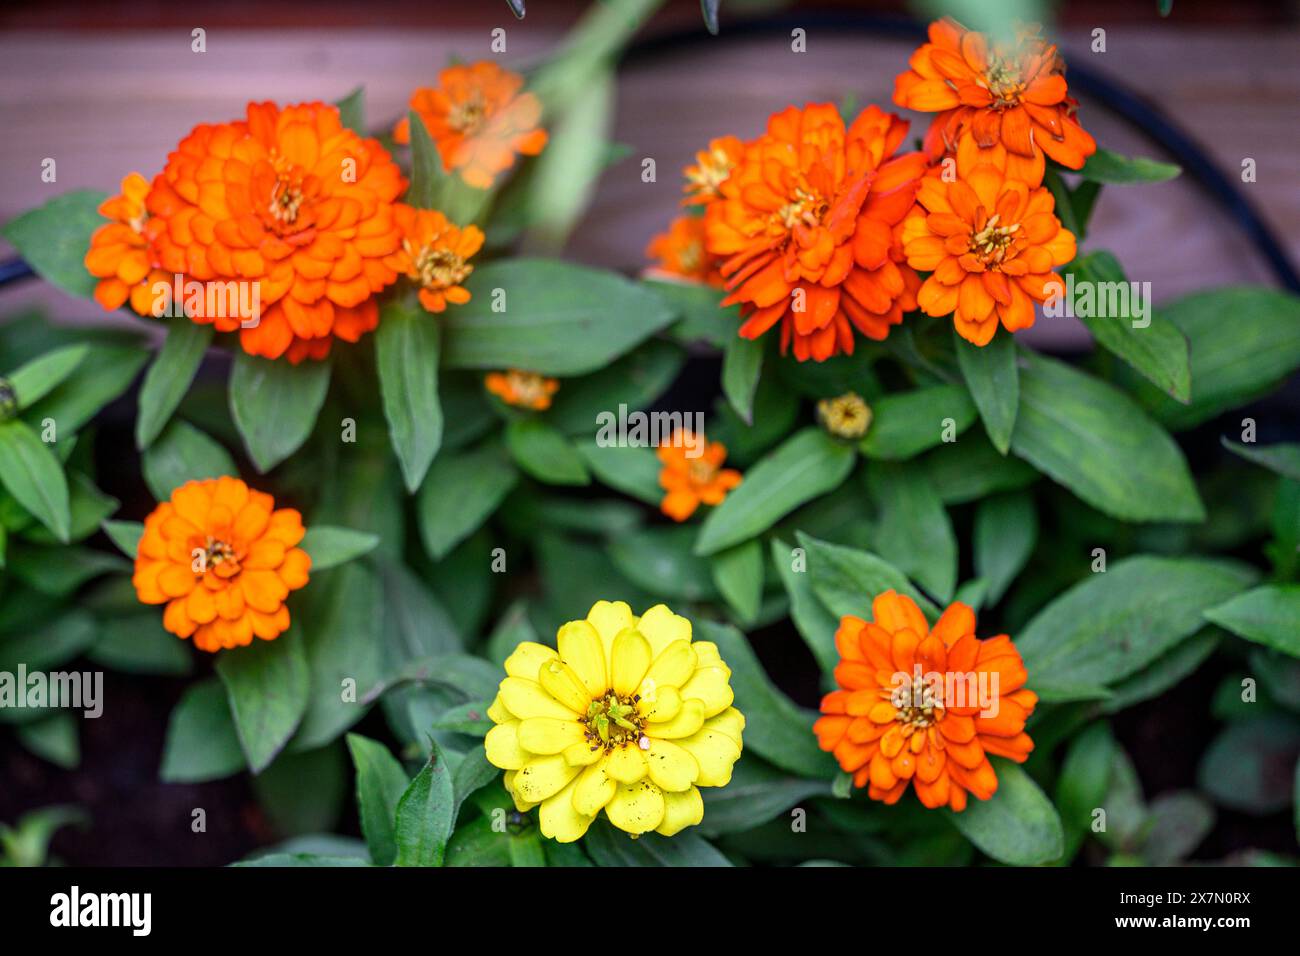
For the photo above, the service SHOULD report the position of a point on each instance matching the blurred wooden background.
(107, 90)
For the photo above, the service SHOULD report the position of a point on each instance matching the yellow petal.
(706, 652)
(502, 746)
(673, 667)
(710, 686)
(523, 806)
(594, 790)
(608, 618)
(527, 658)
(559, 680)
(636, 807)
(715, 752)
(671, 767)
(661, 627)
(689, 719)
(581, 649)
(730, 722)
(557, 818)
(546, 735)
(681, 810)
(497, 713)
(628, 663)
(626, 764)
(582, 754)
(661, 704)
(542, 777)
(526, 698)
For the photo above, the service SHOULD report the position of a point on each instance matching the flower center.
(702, 472)
(614, 721)
(528, 387)
(467, 116)
(919, 717)
(439, 268)
(691, 256)
(847, 416)
(712, 171)
(217, 552)
(1004, 81)
(804, 207)
(992, 242)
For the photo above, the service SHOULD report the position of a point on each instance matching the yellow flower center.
(1004, 81)
(439, 268)
(467, 117)
(991, 243)
(216, 552)
(712, 171)
(529, 387)
(804, 207)
(702, 472)
(691, 256)
(847, 416)
(615, 721)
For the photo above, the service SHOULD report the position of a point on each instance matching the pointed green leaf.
(994, 382)
(329, 546)
(34, 476)
(1268, 615)
(54, 238)
(426, 814)
(183, 453)
(381, 781)
(169, 377)
(37, 378)
(267, 683)
(275, 405)
(1018, 825)
(406, 353)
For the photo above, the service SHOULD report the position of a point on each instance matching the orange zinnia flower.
(1014, 95)
(479, 120)
(223, 560)
(295, 201)
(990, 242)
(804, 227)
(889, 729)
(120, 255)
(682, 255)
(433, 254)
(692, 481)
(712, 167)
(522, 389)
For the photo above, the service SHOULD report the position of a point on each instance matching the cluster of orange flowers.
(293, 202)
(824, 227)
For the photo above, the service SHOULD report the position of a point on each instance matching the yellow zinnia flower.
(630, 716)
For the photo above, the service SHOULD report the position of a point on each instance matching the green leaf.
(1116, 622)
(816, 624)
(1232, 361)
(1250, 765)
(275, 405)
(551, 317)
(329, 546)
(810, 463)
(1180, 821)
(635, 380)
(1006, 529)
(738, 574)
(406, 354)
(1164, 672)
(169, 377)
(201, 740)
(1082, 785)
(742, 364)
(58, 571)
(702, 318)
(969, 470)
(775, 729)
(631, 469)
(1094, 440)
(461, 492)
(104, 374)
(46, 645)
(543, 452)
(53, 239)
(352, 111)
(433, 187)
(907, 423)
(137, 644)
(756, 794)
(609, 846)
(126, 535)
(52, 738)
(846, 580)
(425, 815)
(34, 476)
(994, 382)
(1105, 166)
(183, 453)
(381, 782)
(913, 531)
(1151, 344)
(659, 559)
(1284, 459)
(1018, 825)
(1268, 615)
(267, 683)
(34, 380)
(88, 506)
